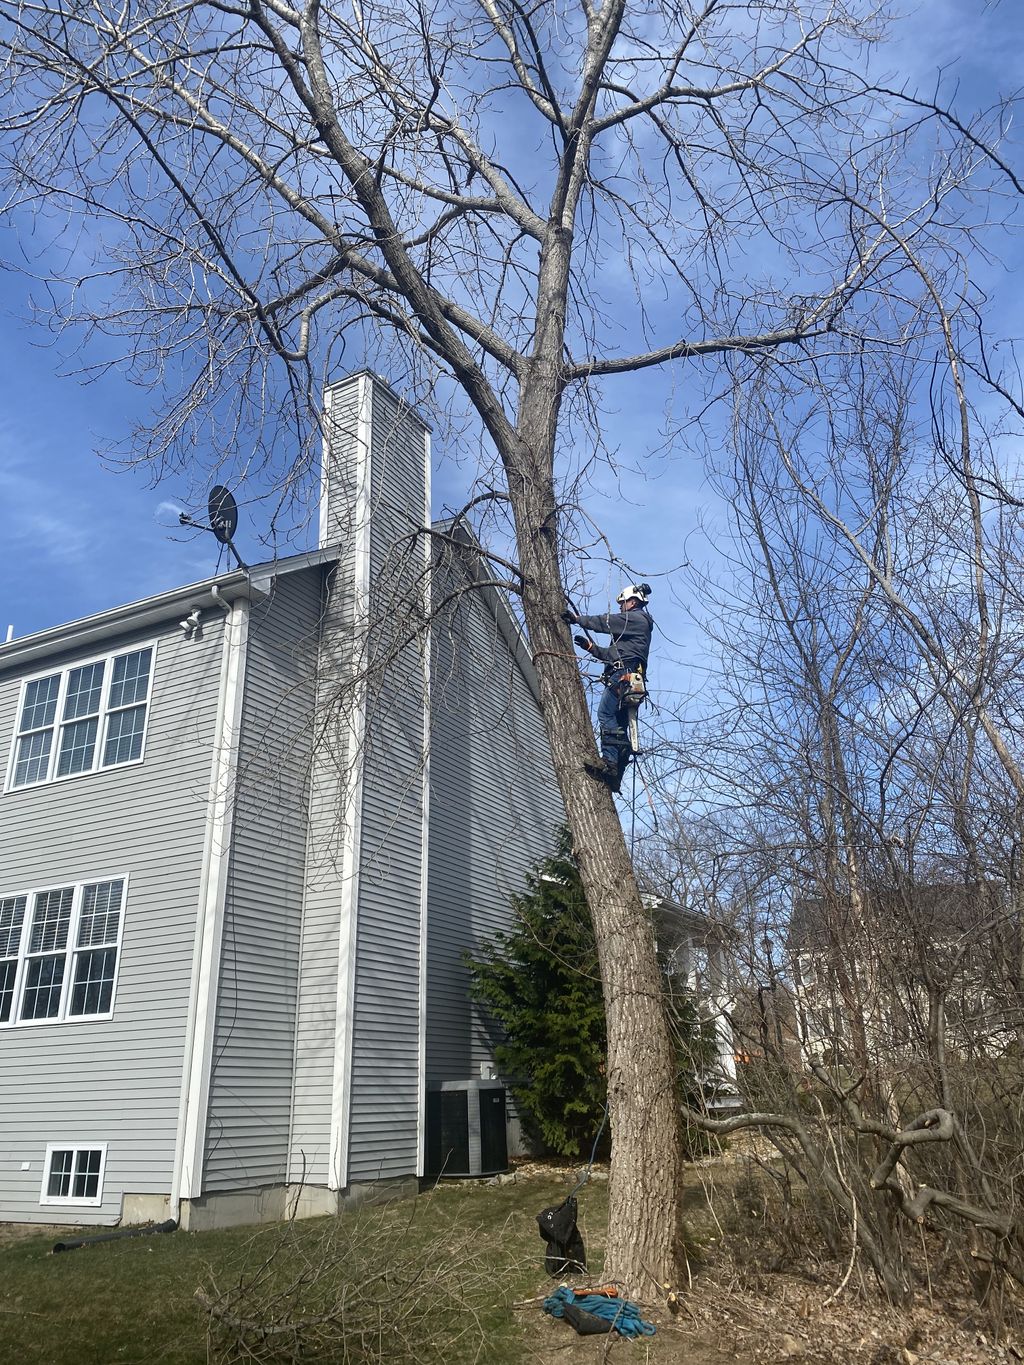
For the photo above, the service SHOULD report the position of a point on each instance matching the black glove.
(582, 642)
(569, 617)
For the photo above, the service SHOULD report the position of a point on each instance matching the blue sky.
(80, 536)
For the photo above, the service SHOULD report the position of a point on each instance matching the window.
(12, 916)
(73, 1175)
(85, 718)
(58, 952)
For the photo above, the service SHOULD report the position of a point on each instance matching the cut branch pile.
(364, 1288)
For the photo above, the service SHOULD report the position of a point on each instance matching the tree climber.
(626, 655)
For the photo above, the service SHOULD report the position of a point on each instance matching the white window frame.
(808, 969)
(64, 1200)
(60, 723)
(71, 953)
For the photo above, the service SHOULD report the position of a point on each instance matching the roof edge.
(148, 611)
(456, 530)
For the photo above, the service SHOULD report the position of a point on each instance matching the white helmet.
(641, 591)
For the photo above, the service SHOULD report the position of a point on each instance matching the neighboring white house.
(697, 955)
(880, 972)
(248, 828)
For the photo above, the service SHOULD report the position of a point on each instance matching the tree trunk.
(645, 1230)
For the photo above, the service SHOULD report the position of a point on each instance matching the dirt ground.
(788, 1321)
(16, 1232)
(736, 1310)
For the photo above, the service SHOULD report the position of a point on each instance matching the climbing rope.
(647, 793)
(593, 1152)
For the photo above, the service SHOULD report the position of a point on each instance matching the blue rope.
(623, 1315)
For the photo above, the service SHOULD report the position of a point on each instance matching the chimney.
(376, 458)
(373, 805)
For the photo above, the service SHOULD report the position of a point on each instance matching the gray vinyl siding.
(341, 454)
(494, 806)
(310, 1145)
(383, 1128)
(113, 1081)
(254, 1040)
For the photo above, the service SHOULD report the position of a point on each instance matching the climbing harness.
(630, 687)
(629, 684)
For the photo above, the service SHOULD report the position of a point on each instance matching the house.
(696, 953)
(869, 979)
(247, 829)
(765, 1025)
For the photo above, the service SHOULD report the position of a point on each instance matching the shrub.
(541, 984)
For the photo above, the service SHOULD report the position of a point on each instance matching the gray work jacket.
(631, 636)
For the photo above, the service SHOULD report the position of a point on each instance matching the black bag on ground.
(586, 1324)
(565, 1253)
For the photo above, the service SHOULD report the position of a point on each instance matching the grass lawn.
(134, 1301)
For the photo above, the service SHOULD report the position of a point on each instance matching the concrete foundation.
(144, 1208)
(274, 1203)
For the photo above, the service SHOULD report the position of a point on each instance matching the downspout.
(117, 1235)
(223, 720)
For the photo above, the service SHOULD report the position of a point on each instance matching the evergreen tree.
(540, 982)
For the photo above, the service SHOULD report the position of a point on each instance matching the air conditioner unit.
(466, 1132)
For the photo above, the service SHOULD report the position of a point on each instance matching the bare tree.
(862, 805)
(508, 195)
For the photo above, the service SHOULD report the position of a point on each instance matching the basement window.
(82, 719)
(73, 1175)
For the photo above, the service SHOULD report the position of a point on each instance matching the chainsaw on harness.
(631, 686)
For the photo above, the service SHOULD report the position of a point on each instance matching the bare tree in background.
(508, 196)
(861, 829)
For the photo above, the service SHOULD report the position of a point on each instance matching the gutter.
(151, 611)
(219, 591)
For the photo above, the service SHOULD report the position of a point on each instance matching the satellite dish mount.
(223, 512)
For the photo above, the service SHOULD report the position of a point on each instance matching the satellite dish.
(223, 514)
